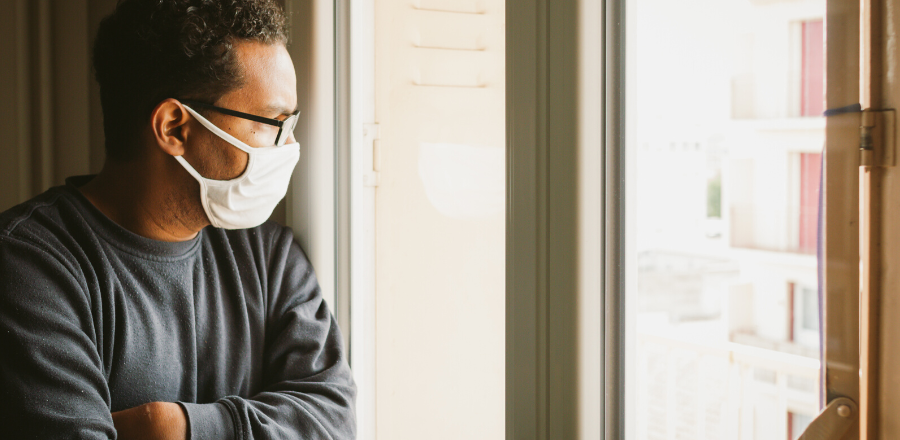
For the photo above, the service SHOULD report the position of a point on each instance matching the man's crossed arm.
(151, 421)
(53, 385)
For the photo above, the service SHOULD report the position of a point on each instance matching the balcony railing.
(689, 388)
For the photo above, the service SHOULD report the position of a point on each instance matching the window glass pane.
(724, 142)
(810, 310)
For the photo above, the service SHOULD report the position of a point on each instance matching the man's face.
(269, 90)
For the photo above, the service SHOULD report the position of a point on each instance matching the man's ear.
(168, 123)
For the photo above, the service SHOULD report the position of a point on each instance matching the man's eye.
(265, 127)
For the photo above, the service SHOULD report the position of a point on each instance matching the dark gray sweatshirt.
(95, 319)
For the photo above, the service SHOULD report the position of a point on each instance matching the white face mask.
(248, 200)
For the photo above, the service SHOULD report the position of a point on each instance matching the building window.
(812, 80)
(797, 423)
(803, 314)
(810, 174)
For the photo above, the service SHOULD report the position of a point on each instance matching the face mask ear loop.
(184, 163)
(219, 132)
(203, 189)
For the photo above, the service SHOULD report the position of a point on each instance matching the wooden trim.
(880, 241)
(840, 255)
(871, 181)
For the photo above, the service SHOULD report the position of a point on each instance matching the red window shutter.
(812, 99)
(810, 173)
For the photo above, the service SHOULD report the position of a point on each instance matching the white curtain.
(49, 104)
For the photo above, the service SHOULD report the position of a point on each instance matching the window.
(812, 82)
(723, 226)
(810, 177)
(803, 316)
(713, 222)
(797, 423)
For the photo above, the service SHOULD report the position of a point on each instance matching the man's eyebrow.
(281, 110)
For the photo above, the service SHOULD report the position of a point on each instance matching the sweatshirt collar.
(120, 237)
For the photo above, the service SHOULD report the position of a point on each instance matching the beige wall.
(440, 265)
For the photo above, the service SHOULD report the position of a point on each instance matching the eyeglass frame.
(261, 119)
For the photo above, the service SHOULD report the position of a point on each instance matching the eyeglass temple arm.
(236, 113)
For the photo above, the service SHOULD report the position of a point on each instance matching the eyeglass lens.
(286, 129)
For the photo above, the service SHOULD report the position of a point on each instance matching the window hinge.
(877, 139)
(834, 422)
(372, 136)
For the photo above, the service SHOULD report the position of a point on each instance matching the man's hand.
(151, 421)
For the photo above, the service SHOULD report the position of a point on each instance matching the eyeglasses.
(285, 127)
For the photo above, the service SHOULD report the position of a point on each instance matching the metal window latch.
(834, 422)
(877, 138)
(372, 136)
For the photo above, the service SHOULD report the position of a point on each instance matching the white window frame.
(564, 278)
(565, 265)
(361, 132)
(328, 183)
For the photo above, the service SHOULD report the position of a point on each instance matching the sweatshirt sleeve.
(309, 393)
(52, 384)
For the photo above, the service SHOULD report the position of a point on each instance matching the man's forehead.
(269, 82)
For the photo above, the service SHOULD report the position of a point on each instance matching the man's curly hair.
(147, 51)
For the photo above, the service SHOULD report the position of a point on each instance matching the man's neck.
(131, 197)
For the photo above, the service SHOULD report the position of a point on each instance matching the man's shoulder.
(37, 218)
(36, 245)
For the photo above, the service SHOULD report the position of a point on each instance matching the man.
(151, 301)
